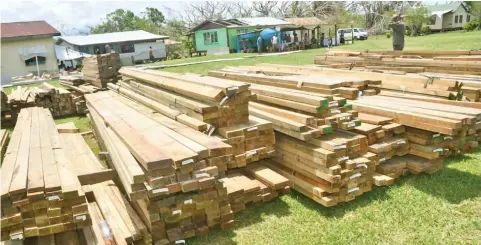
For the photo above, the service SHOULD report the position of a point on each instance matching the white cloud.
(72, 16)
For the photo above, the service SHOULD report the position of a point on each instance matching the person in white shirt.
(274, 42)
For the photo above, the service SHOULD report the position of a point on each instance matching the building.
(312, 26)
(26, 44)
(132, 46)
(450, 16)
(222, 34)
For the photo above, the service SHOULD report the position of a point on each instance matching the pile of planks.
(71, 80)
(458, 87)
(41, 194)
(101, 69)
(217, 106)
(330, 85)
(60, 101)
(434, 130)
(408, 61)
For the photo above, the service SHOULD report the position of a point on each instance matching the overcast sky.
(73, 16)
(70, 15)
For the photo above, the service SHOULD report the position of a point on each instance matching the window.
(83, 49)
(355, 30)
(241, 31)
(432, 21)
(127, 48)
(460, 19)
(468, 18)
(32, 62)
(210, 38)
(456, 19)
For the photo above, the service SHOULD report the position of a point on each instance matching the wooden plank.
(279, 120)
(294, 116)
(50, 172)
(35, 181)
(20, 172)
(290, 104)
(267, 176)
(197, 91)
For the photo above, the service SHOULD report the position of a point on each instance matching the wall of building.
(221, 39)
(232, 33)
(13, 64)
(459, 12)
(438, 25)
(448, 20)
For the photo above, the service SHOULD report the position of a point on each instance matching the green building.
(221, 35)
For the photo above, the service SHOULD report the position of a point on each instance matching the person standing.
(274, 42)
(398, 32)
(107, 49)
(341, 38)
(259, 44)
(151, 54)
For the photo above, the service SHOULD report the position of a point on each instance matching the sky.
(70, 17)
(73, 16)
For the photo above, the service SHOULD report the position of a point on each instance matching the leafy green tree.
(117, 21)
(474, 9)
(416, 17)
(153, 20)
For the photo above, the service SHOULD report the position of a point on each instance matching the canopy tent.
(268, 33)
(28, 53)
(247, 35)
(66, 53)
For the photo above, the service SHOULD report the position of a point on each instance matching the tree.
(264, 8)
(153, 19)
(474, 9)
(416, 17)
(175, 29)
(118, 21)
(240, 10)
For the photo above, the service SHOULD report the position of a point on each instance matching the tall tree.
(117, 21)
(474, 9)
(416, 17)
(264, 8)
(153, 19)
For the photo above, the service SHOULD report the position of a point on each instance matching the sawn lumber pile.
(101, 69)
(41, 194)
(217, 106)
(444, 64)
(330, 85)
(171, 172)
(3, 142)
(433, 84)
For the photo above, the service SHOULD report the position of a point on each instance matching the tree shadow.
(254, 213)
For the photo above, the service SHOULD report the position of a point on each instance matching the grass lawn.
(444, 41)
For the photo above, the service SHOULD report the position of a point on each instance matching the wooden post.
(335, 33)
(38, 70)
(352, 35)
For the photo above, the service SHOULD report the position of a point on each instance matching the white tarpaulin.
(28, 53)
(66, 53)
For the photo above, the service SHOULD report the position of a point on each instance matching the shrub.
(408, 31)
(471, 25)
(388, 34)
(425, 30)
(173, 55)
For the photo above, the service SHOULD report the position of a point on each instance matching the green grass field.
(443, 208)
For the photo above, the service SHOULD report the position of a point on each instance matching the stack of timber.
(412, 53)
(406, 62)
(60, 101)
(6, 111)
(170, 171)
(220, 105)
(437, 85)
(41, 194)
(330, 85)
(101, 69)
(71, 80)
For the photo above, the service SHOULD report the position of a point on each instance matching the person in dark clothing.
(97, 52)
(341, 38)
(151, 55)
(398, 30)
(244, 45)
(61, 66)
(259, 44)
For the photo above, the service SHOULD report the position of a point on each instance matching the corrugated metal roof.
(444, 7)
(27, 29)
(307, 21)
(114, 37)
(263, 21)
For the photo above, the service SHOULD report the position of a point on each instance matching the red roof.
(27, 28)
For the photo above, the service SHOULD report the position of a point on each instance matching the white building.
(27, 47)
(450, 16)
(132, 46)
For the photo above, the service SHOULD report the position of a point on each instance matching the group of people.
(275, 43)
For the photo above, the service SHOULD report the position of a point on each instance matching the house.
(311, 24)
(24, 45)
(132, 46)
(222, 34)
(450, 16)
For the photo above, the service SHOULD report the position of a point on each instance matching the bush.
(471, 25)
(425, 30)
(388, 34)
(173, 55)
(408, 31)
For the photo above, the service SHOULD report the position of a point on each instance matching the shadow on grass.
(253, 213)
(451, 184)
